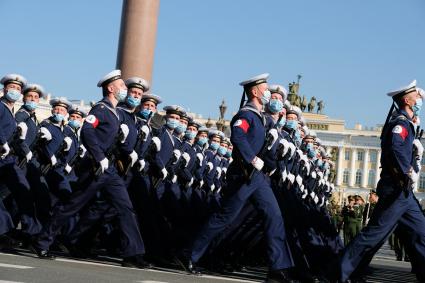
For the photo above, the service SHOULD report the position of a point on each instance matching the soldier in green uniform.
(348, 218)
(358, 214)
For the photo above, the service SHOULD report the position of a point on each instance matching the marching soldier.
(248, 137)
(396, 201)
(10, 174)
(99, 134)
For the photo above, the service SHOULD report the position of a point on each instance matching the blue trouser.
(394, 206)
(115, 193)
(261, 193)
(14, 178)
(6, 223)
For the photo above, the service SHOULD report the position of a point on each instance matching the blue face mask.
(214, 146)
(281, 122)
(417, 107)
(266, 97)
(202, 141)
(133, 102)
(75, 124)
(222, 150)
(172, 123)
(325, 166)
(181, 128)
(297, 136)
(275, 105)
(12, 95)
(121, 95)
(190, 135)
(292, 124)
(145, 113)
(311, 152)
(30, 105)
(58, 117)
(229, 153)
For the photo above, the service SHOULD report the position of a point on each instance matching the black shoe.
(406, 259)
(187, 265)
(43, 254)
(280, 276)
(136, 262)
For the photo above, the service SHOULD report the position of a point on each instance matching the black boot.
(280, 276)
(136, 261)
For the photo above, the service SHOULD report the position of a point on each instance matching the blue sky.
(350, 53)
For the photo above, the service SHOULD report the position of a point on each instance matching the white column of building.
(378, 167)
(352, 180)
(339, 170)
(365, 175)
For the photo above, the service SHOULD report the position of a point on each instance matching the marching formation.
(175, 192)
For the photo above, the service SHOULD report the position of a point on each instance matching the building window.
(372, 178)
(360, 155)
(345, 176)
(422, 182)
(358, 177)
(347, 154)
(373, 156)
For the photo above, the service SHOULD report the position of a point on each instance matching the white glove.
(5, 149)
(291, 149)
(23, 130)
(201, 183)
(133, 156)
(300, 153)
(285, 147)
(291, 178)
(224, 170)
(414, 177)
(53, 160)
(104, 164)
(284, 175)
(145, 130)
(212, 187)
(313, 174)
(312, 194)
(316, 199)
(45, 134)
(174, 180)
(307, 166)
(419, 147)
(177, 154)
(157, 142)
(200, 157)
(186, 158)
(68, 168)
(142, 165)
(125, 130)
(218, 170)
(164, 173)
(305, 194)
(28, 156)
(68, 142)
(302, 188)
(274, 136)
(190, 183)
(210, 166)
(83, 151)
(257, 163)
(299, 180)
(320, 174)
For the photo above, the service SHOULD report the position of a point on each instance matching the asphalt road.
(25, 267)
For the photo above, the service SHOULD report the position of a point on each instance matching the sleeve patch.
(243, 124)
(400, 130)
(91, 119)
